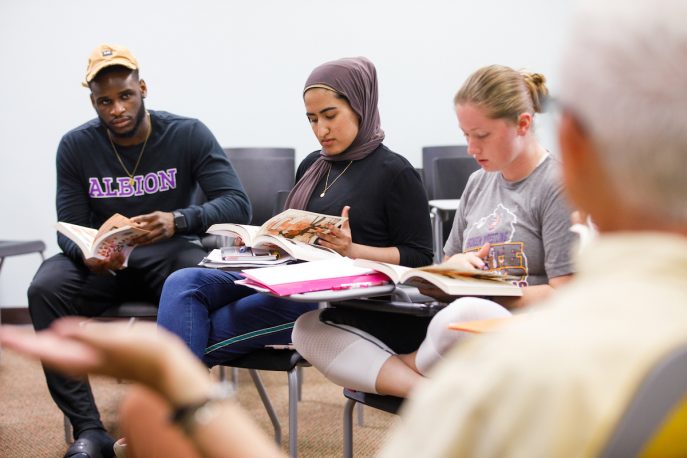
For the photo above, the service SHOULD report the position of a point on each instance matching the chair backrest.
(263, 172)
(429, 153)
(280, 201)
(662, 390)
(451, 175)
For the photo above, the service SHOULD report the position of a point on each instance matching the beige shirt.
(555, 383)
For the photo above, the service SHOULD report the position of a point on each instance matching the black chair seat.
(131, 309)
(389, 404)
(269, 359)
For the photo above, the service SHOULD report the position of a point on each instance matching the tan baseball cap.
(107, 55)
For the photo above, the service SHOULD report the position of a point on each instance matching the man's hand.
(105, 266)
(160, 224)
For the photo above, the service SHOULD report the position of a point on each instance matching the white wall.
(240, 68)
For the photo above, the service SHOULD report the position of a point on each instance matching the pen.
(362, 284)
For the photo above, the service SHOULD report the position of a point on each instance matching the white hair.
(624, 76)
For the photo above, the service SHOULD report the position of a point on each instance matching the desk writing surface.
(445, 204)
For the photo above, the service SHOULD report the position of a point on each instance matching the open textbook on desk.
(448, 278)
(114, 236)
(306, 277)
(293, 231)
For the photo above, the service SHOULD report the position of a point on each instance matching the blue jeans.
(220, 320)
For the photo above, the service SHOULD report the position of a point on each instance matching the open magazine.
(452, 280)
(295, 232)
(114, 236)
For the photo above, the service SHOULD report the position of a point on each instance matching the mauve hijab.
(356, 79)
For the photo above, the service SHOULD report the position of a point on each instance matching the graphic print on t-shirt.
(150, 183)
(505, 255)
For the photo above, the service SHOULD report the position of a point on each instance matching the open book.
(114, 236)
(448, 278)
(293, 231)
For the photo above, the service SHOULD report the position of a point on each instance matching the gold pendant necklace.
(326, 181)
(140, 155)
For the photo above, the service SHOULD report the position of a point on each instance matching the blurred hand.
(160, 224)
(339, 239)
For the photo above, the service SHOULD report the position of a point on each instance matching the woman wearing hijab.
(354, 175)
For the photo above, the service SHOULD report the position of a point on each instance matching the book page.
(300, 225)
(115, 221)
(461, 286)
(82, 236)
(454, 270)
(393, 271)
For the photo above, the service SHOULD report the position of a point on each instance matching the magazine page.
(82, 236)
(298, 250)
(300, 225)
(117, 241)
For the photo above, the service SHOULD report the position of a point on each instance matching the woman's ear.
(524, 123)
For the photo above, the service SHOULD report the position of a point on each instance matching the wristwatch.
(180, 224)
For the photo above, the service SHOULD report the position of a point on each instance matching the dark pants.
(62, 287)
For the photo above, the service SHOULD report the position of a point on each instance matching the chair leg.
(299, 374)
(67, 430)
(267, 403)
(235, 378)
(348, 428)
(361, 420)
(294, 397)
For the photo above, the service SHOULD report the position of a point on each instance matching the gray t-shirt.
(527, 224)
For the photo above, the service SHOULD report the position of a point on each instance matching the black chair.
(390, 404)
(17, 248)
(429, 154)
(451, 175)
(263, 172)
(398, 302)
(268, 359)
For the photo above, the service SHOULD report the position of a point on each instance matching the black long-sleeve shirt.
(181, 154)
(388, 203)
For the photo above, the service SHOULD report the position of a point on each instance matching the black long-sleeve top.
(387, 199)
(181, 154)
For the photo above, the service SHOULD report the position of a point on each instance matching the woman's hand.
(339, 239)
(471, 260)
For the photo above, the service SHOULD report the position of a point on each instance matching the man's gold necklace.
(328, 185)
(140, 155)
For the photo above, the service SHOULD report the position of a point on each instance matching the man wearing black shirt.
(145, 165)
